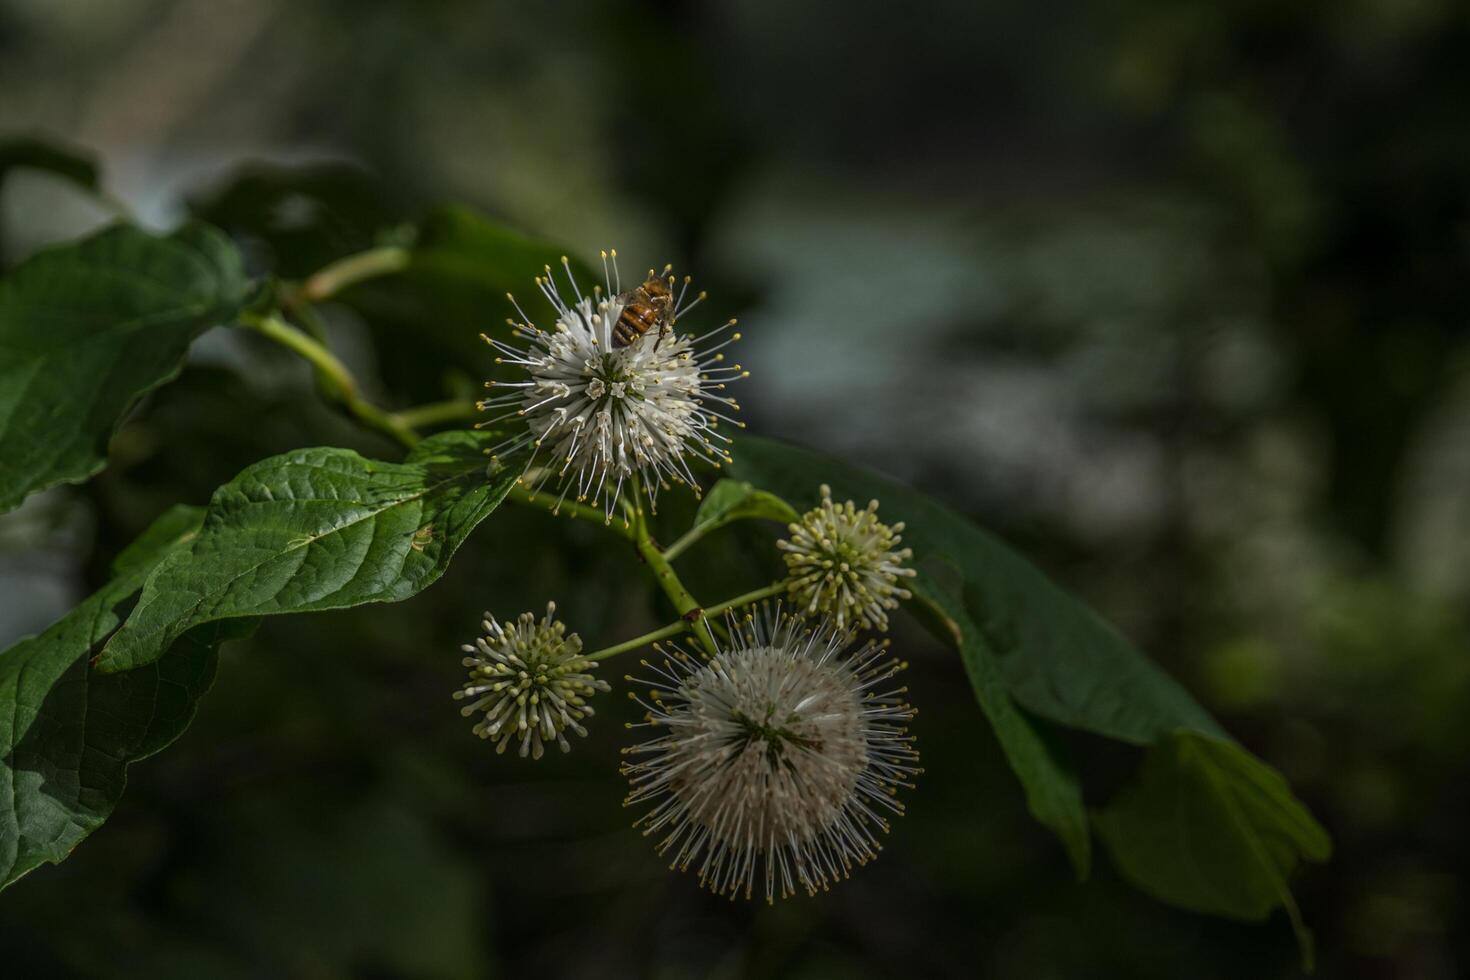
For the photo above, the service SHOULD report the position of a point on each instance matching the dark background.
(1173, 296)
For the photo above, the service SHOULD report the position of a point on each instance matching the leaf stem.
(662, 633)
(336, 380)
(689, 538)
(332, 279)
(453, 410)
(755, 595)
(304, 313)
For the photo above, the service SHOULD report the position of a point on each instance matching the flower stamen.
(844, 563)
(776, 758)
(531, 682)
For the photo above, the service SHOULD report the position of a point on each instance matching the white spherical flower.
(603, 402)
(775, 760)
(530, 680)
(843, 563)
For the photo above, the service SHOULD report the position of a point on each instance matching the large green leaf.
(1209, 827)
(87, 328)
(1053, 794)
(1060, 661)
(317, 529)
(68, 733)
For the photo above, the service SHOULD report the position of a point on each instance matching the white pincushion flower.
(531, 681)
(599, 412)
(775, 760)
(843, 563)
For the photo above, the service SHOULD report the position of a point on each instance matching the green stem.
(570, 508)
(304, 314)
(662, 633)
(454, 410)
(332, 279)
(689, 538)
(337, 380)
(755, 595)
(673, 629)
(668, 580)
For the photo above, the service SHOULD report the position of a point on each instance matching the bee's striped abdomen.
(635, 321)
(643, 309)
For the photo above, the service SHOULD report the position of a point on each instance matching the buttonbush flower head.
(843, 563)
(530, 680)
(601, 409)
(773, 763)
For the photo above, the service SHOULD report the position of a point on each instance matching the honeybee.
(644, 308)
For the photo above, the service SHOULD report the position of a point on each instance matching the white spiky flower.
(776, 759)
(531, 681)
(844, 563)
(599, 414)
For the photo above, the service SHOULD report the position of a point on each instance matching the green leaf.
(729, 501)
(1211, 828)
(734, 500)
(1053, 794)
(317, 529)
(68, 733)
(173, 527)
(1059, 661)
(86, 329)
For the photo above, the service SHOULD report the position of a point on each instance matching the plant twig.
(755, 595)
(332, 279)
(336, 380)
(672, 629)
(662, 633)
(689, 538)
(454, 410)
(668, 580)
